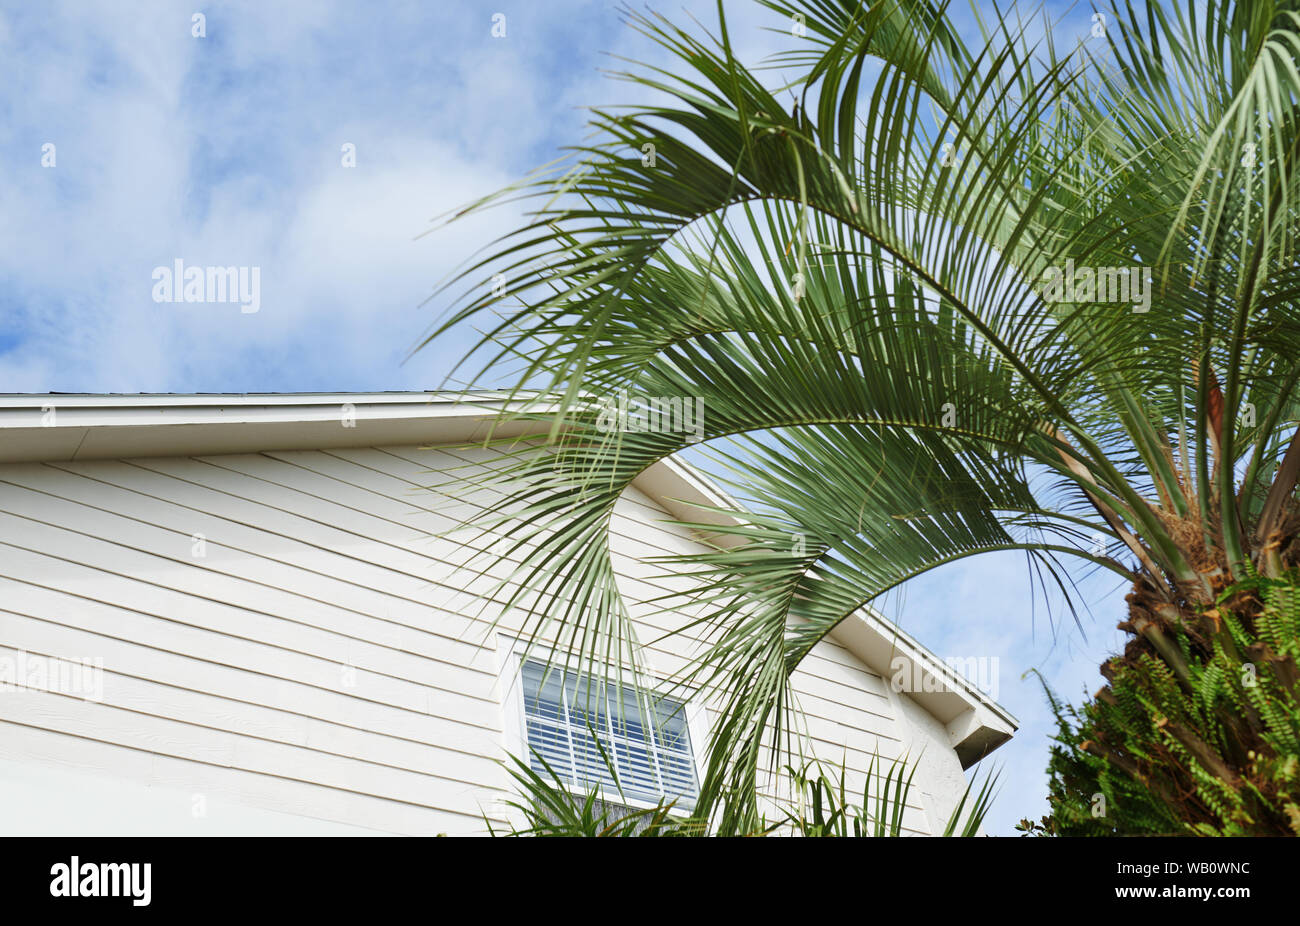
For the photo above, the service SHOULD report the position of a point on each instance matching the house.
(243, 614)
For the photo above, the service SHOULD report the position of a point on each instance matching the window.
(648, 743)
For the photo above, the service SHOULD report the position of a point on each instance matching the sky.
(128, 143)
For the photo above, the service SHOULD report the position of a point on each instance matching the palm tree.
(940, 293)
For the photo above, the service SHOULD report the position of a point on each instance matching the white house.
(243, 614)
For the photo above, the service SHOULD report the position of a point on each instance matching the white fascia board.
(97, 427)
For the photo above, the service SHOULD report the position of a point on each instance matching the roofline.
(150, 399)
(73, 426)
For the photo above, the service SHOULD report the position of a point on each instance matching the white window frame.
(512, 652)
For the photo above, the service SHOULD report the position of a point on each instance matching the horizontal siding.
(331, 654)
(202, 671)
(185, 777)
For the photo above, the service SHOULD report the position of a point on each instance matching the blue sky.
(226, 150)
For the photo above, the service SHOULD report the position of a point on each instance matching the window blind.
(648, 744)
